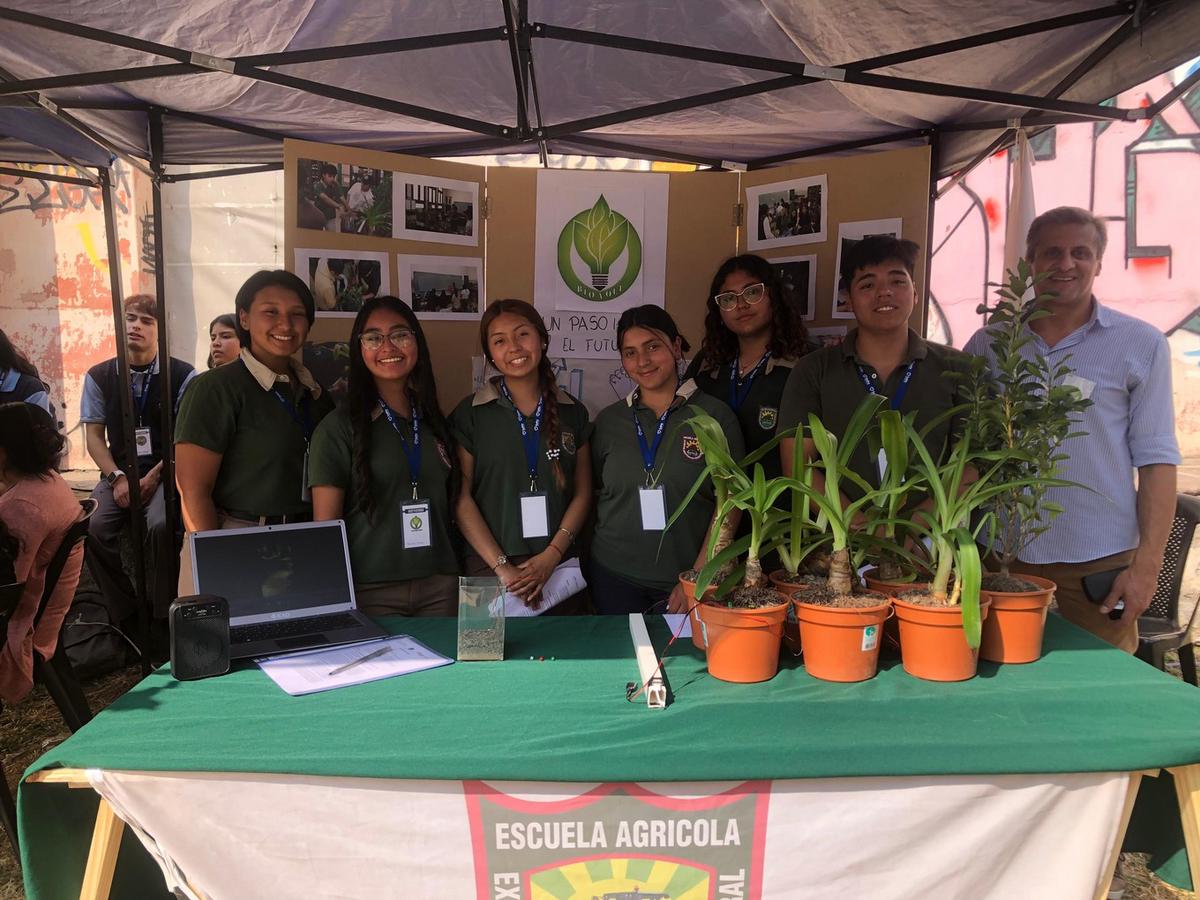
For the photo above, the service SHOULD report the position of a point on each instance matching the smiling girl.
(385, 463)
(645, 459)
(526, 463)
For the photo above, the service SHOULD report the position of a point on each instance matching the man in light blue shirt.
(1123, 365)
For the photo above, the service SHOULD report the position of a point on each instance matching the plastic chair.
(1159, 628)
(56, 673)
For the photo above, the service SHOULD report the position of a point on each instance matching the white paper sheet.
(672, 620)
(565, 581)
(310, 673)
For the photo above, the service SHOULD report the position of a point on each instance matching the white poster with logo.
(601, 248)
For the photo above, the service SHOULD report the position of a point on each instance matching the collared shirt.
(233, 410)
(827, 383)
(619, 543)
(92, 404)
(485, 425)
(1123, 365)
(16, 385)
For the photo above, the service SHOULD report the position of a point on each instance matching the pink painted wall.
(55, 302)
(1144, 179)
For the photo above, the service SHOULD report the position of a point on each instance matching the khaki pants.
(1075, 607)
(434, 595)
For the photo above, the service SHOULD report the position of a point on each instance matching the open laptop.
(289, 586)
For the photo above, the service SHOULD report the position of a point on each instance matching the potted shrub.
(1023, 408)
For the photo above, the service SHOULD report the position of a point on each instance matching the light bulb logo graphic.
(598, 238)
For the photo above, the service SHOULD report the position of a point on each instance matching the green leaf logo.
(598, 237)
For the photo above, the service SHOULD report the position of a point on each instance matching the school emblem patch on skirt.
(767, 417)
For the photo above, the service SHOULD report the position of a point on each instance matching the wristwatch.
(112, 476)
(501, 560)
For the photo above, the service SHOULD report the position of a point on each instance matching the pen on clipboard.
(362, 659)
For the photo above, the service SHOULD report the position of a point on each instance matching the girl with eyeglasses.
(753, 335)
(645, 460)
(385, 462)
(525, 457)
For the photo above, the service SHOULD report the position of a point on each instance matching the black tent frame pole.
(129, 464)
(167, 552)
(223, 173)
(48, 176)
(934, 153)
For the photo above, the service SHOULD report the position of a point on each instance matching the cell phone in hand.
(1098, 585)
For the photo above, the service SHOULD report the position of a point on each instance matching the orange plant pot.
(1013, 631)
(841, 644)
(786, 590)
(891, 588)
(743, 644)
(932, 643)
(689, 591)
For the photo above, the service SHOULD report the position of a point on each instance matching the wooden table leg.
(1110, 867)
(102, 857)
(1187, 790)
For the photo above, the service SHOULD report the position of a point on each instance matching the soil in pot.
(841, 634)
(1012, 633)
(932, 643)
(742, 633)
(787, 585)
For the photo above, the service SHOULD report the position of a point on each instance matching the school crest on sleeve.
(767, 417)
(568, 442)
(691, 447)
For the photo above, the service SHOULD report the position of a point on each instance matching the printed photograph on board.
(786, 213)
(849, 234)
(343, 198)
(342, 280)
(440, 210)
(442, 287)
(798, 277)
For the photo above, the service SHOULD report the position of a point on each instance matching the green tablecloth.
(1083, 707)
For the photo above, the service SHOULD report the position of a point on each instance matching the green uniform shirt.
(619, 543)
(827, 383)
(485, 425)
(233, 410)
(759, 413)
(377, 551)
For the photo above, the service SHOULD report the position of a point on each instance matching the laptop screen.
(275, 572)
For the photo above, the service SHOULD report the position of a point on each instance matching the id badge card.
(141, 441)
(417, 531)
(305, 491)
(653, 501)
(534, 519)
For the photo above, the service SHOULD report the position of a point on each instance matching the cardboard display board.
(702, 231)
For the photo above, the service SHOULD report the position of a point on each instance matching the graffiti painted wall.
(1143, 178)
(55, 301)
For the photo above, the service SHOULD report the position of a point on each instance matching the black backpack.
(90, 638)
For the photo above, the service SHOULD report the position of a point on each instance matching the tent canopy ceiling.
(709, 81)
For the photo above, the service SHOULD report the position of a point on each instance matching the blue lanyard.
(140, 400)
(900, 391)
(649, 451)
(740, 390)
(411, 453)
(529, 437)
(305, 420)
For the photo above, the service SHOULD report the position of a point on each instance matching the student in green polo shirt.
(523, 448)
(882, 355)
(384, 462)
(645, 459)
(753, 336)
(241, 439)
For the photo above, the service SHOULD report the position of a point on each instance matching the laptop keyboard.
(266, 631)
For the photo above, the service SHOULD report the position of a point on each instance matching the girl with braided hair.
(526, 464)
(385, 462)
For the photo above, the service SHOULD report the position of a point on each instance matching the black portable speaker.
(199, 637)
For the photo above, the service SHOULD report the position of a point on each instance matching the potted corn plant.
(1022, 405)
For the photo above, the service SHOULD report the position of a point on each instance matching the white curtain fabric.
(233, 836)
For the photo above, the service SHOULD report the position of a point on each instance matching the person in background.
(753, 336)
(19, 379)
(224, 345)
(328, 197)
(385, 463)
(104, 431)
(1123, 365)
(520, 434)
(242, 439)
(645, 459)
(37, 508)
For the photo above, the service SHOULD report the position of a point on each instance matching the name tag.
(305, 491)
(654, 508)
(534, 519)
(141, 442)
(417, 524)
